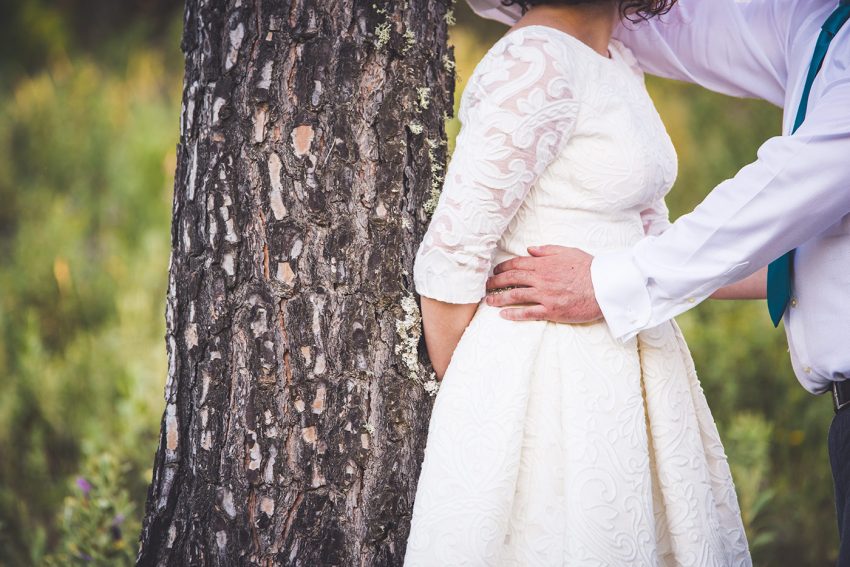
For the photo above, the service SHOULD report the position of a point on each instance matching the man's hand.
(555, 280)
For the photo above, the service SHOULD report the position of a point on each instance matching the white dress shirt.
(796, 195)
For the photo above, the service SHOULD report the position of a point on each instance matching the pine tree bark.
(312, 137)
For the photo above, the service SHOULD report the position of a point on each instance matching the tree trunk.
(297, 401)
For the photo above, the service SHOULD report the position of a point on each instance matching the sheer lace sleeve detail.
(517, 112)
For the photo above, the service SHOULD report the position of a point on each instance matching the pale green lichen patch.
(416, 128)
(409, 40)
(431, 204)
(384, 30)
(409, 331)
(449, 64)
(450, 17)
(437, 176)
(423, 97)
(432, 386)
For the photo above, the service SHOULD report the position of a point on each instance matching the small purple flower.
(83, 485)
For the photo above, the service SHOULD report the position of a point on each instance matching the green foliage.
(86, 165)
(36, 33)
(747, 441)
(99, 524)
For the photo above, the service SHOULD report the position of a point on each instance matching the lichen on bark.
(292, 432)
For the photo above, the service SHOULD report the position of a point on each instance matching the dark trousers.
(839, 458)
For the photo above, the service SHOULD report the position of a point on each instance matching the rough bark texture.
(312, 133)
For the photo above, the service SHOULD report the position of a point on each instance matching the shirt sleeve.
(798, 188)
(517, 112)
(728, 46)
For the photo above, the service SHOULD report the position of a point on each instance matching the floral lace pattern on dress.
(516, 114)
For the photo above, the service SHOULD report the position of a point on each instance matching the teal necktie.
(779, 271)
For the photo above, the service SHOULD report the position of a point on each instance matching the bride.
(555, 444)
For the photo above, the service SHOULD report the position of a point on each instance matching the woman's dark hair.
(631, 9)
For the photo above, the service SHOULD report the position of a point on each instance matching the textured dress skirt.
(553, 444)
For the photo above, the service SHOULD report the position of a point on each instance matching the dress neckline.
(612, 50)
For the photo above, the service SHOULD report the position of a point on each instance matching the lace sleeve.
(517, 112)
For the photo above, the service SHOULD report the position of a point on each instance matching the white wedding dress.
(554, 444)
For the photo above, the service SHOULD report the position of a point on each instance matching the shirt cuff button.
(793, 302)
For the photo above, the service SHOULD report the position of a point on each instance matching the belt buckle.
(837, 404)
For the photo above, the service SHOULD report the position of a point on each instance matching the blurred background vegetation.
(89, 107)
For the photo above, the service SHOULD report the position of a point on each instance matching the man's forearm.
(753, 286)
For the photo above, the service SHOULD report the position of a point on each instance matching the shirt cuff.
(621, 293)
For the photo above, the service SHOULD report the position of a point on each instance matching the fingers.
(535, 313)
(528, 263)
(511, 279)
(518, 263)
(548, 250)
(513, 297)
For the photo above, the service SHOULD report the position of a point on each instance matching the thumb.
(548, 250)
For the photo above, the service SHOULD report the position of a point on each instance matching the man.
(792, 53)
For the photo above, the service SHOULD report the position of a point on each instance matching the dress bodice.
(558, 145)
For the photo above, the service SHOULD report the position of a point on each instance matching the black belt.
(840, 395)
